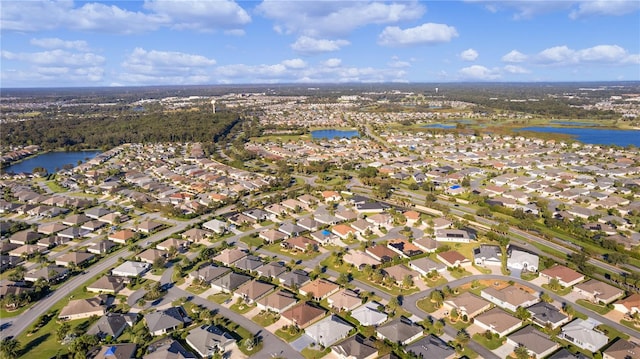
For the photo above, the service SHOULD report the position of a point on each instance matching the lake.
(439, 125)
(51, 161)
(594, 136)
(331, 133)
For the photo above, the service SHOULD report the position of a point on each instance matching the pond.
(52, 161)
(594, 136)
(333, 133)
(439, 125)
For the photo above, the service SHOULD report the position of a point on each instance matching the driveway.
(301, 343)
(504, 350)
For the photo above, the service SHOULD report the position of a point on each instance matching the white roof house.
(131, 269)
(522, 261)
(328, 331)
(582, 333)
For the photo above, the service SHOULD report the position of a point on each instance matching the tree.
(569, 311)
(81, 346)
(437, 297)
(545, 297)
(554, 284)
(462, 337)
(521, 352)
(522, 313)
(62, 331)
(9, 348)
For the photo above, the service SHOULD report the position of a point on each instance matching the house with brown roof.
(148, 226)
(299, 243)
(628, 305)
(597, 291)
(412, 217)
(122, 236)
(467, 304)
(453, 259)
(151, 255)
(344, 299)
(82, 308)
(319, 289)
(331, 196)
(303, 315)
(272, 235)
(51, 228)
(622, 349)
(538, 343)
(509, 297)
(229, 256)
(567, 277)
(197, 235)
(399, 272)
(381, 252)
(497, 321)
(277, 301)
(78, 258)
(252, 291)
(426, 244)
(343, 231)
(359, 259)
(106, 284)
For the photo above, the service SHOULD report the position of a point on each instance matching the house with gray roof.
(497, 321)
(208, 340)
(544, 314)
(249, 263)
(582, 333)
(209, 273)
(356, 346)
(294, 279)
(487, 255)
(291, 229)
(431, 347)
(369, 314)
(111, 324)
(538, 343)
(229, 282)
(521, 261)
(426, 265)
(163, 321)
(167, 348)
(271, 270)
(401, 330)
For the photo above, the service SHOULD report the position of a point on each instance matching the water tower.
(213, 106)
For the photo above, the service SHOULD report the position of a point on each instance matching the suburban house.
(229, 282)
(425, 265)
(122, 236)
(509, 297)
(249, 263)
(544, 314)
(400, 330)
(208, 273)
(369, 314)
(111, 324)
(622, 349)
(75, 258)
(359, 259)
(163, 321)
(329, 330)
(538, 343)
(215, 225)
(582, 333)
(453, 235)
(453, 259)
(271, 270)
(597, 291)
(252, 291)
(487, 255)
(169, 243)
(82, 308)
(209, 340)
(467, 304)
(319, 289)
(399, 272)
(277, 302)
(117, 351)
(107, 284)
(294, 279)
(344, 299)
(101, 247)
(168, 348)
(497, 321)
(426, 244)
(567, 277)
(628, 305)
(431, 347)
(303, 314)
(272, 235)
(343, 231)
(51, 274)
(522, 261)
(131, 269)
(229, 256)
(404, 248)
(381, 252)
(356, 347)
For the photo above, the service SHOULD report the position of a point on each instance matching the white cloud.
(332, 62)
(55, 43)
(428, 33)
(469, 55)
(516, 70)
(604, 54)
(398, 64)
(235, 32)
(294, 64)
(308, 45)
(478, 73)
(605, 7)
(514, 56)
(55, 58)
(525, 9)
(335, 18)
(200, 15)
(166, 63)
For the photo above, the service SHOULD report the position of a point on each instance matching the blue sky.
(170, 42)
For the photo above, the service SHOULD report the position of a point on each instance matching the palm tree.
(9, 348)
(462, 337)
(521, 352)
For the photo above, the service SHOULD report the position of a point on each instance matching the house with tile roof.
(509, 297)
(628, 305)
(567, 277)
(497, 321)
(319, 289)
(303, 314)
(597, 291)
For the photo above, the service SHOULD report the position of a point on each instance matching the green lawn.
(266, 318)
(492, 344)
(55, 187)
(241, 307)
(436, 283)
(561, 292)
(314, 353)
(219, 297)
(426, 305)
(287, 336)
(611, 332)
(254, 242)
(277, 249)
(602, 310)
(459, 273)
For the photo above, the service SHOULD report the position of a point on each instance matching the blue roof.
(455, 186)
(325, 232)
(111, 351)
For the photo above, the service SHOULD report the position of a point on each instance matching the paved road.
(24, 320)
(273, 345)
(410, 301)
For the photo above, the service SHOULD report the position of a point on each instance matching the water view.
(332, 133)
(51, 161)
(595, 136)
(439, 125)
